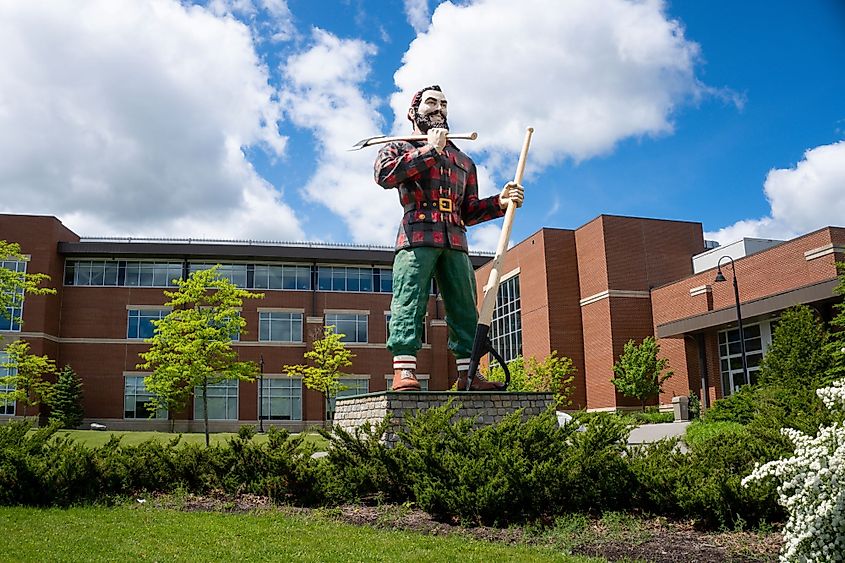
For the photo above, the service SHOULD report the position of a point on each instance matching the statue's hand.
(437, 138)
(511, 191)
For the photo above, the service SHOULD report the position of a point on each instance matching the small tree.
(66, 406)
(327, 360)
(14, 284)
(798, 356)
(26, 375)
(554, 374)
(835, 346)
(639, 372)
(192, 345)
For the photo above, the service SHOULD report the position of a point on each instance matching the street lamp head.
(719, 276)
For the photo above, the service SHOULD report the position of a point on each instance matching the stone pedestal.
(487, 407)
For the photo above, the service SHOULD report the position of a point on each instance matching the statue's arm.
(400, 162)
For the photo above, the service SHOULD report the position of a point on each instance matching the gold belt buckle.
(445, 204)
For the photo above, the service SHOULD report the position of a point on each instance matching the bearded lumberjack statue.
(438, 190)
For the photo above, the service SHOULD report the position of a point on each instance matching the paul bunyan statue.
(438, 190)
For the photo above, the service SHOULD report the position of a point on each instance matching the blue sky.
(231, 118)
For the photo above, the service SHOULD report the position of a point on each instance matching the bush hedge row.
(511, 472)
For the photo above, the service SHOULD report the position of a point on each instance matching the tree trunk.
(642, 402)
(205, 410)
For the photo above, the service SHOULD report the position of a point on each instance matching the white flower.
(811, 488)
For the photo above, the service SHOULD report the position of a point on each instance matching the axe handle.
(488, 303)
(466, 136)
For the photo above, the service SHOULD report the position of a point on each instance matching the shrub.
(514, 470)
(554, 374)
(810, 487)
(797, 357)
(361, 468)
(705, 482)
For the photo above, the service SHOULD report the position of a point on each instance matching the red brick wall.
(38, 237)
(776, 270)
(548, 281)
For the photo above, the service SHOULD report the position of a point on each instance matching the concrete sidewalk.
(653, 432)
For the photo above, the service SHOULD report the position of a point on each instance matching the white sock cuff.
(404, 362)
(463, 364)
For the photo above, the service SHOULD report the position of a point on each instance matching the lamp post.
(720, 278)
(261, 394)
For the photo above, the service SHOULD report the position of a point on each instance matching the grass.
(701, 431)
(95, 438)
(129, 533)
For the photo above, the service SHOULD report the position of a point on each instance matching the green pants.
(413, 269)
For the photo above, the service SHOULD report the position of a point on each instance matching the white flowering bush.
(812, 487)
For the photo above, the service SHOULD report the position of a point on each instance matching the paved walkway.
(654, 432)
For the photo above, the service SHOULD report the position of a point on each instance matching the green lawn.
(150, 534)
(95, 438)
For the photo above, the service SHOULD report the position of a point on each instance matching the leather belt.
(443, 204)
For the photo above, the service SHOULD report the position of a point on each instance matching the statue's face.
(432, 111)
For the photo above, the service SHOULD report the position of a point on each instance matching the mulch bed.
(656, 540)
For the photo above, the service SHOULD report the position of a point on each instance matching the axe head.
(366, 142)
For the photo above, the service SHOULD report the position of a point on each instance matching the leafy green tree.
(66, 406)
(26, 375)
(639, 372)
(554, 374)
(836, 343)
(13, 285)
(192, 346)
(798, 356)
(326, 361)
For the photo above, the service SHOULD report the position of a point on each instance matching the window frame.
(160, 414)
(358, 323)
(227, 384)
(265, 387)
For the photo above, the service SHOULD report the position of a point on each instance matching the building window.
(342, 278)
(730, 357)
(353, 326)
(424, 327)
(235, 273)
(385, 280)
(111, 273)
(353, 387)
(140, 322)
(279, 327)
(10, 318)
(282, 277)
(136, 397)
(222, 401)
(152, 274)
(6, 386)
(281, 398)
(506, 328)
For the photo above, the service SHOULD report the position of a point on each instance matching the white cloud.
(485, 237)
(584, 73)
(418, 14)
(324, 94)
(130, 117)
(804, 198)
(270, 17)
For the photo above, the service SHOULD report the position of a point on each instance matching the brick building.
(108, 291)
(582, 292)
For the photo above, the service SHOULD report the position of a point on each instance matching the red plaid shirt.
(429, 184)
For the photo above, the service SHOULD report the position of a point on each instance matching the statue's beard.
(430, 121)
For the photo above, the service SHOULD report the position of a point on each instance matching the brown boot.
(405, 380)
(478, 383)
